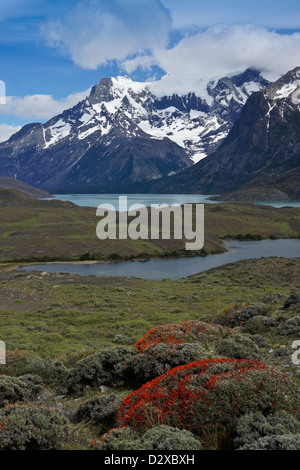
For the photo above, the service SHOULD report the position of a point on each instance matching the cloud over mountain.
(95, 32)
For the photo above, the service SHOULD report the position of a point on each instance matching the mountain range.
(125, 138)
(261, 154)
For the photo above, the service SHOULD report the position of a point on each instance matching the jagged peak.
(286, 87)
(238, 79)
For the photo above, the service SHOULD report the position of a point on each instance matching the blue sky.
(52, 51)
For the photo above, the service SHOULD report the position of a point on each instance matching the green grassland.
(68, 317)
(52, 230)
(56, 315)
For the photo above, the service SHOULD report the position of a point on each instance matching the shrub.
(238, 347)
(254, 426)
(258, 324)
(208, 396)
(118, 439)
(168, 438)
(101, 409)
(158, 359)
(281, 442)
(168, 346)
(157, 438)
(194, 331)
(31, 427)
(290, 328)
(120, 365)
(101, 368)
(241, 316)
(20, 363)
(16, 362)
(14, 389)
(292, 301)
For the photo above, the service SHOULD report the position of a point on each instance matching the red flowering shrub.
(208, 396)
(185, 332)
(169, 344)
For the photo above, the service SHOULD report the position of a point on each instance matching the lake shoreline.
(172, 267)
(12, 265)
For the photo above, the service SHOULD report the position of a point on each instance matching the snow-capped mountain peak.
(187, 120)
(286, 88)
(120, 113)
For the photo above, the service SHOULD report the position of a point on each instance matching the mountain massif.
(123, 137)
(260, 157)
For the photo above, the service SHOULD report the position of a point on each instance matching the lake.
(176, 268)
(94, 200)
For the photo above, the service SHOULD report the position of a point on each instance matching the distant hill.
(14, 198)
(11, 183)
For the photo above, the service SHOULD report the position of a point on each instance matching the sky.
(53, 51)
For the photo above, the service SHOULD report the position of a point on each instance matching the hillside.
(11, 183)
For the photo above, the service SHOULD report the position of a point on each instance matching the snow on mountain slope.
(262, 150)
(194, 125)
(126, 133)
(288, 87)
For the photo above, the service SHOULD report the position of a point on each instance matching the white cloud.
(6, 131)
(218, 51)
(189, 65)
(96, 32)
(39, 107)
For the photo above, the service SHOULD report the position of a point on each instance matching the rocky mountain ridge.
(122, 135)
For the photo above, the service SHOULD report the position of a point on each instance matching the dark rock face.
(182, 103)
(122, 137)
(262, 148)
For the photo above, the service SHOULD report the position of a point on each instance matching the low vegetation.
(31, 231)
(127, 364)
(107, 364)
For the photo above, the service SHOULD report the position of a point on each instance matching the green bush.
(292, 301)
(31, 427)
(240, 317)
(101, 409)
(20, 363)
(18, 389)
(126, 366)
(158, 359)
(281, 442)
(118, 439)
(258, 325)
(102, 368)
(168, 438)
(290, 328)
(158, 438)
(254, 426)
(238, 347)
